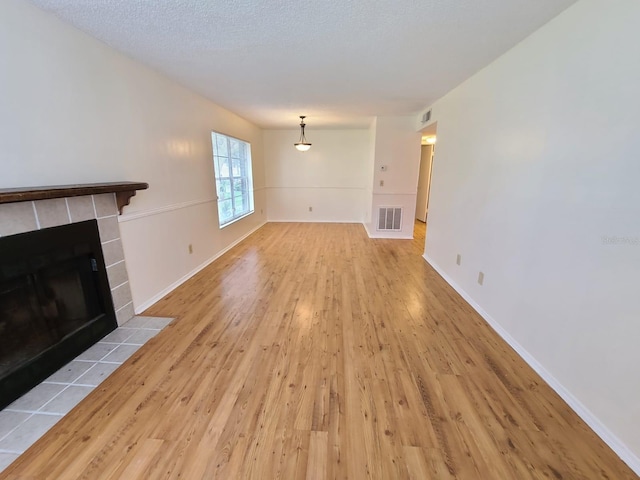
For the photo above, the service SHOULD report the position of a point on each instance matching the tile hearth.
(32, 415)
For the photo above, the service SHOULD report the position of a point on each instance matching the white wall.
(75, 111)
(396, 146)
(331, 177)
(536, 171)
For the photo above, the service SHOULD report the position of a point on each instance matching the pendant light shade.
(302, 144)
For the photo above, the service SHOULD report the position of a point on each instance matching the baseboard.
(366, 229)
(144, 305)
(385, 237)
(288, 220)
(617, 445)
(382, 235)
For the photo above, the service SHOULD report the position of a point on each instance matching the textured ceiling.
(340, 62)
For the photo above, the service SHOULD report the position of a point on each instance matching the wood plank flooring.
(310, 351)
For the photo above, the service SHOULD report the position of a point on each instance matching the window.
(232, 165)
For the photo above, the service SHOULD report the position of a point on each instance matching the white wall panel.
(535, 183)
(76, 111)
(331, 177)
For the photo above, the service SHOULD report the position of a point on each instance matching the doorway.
(424, 181)
(425, 171)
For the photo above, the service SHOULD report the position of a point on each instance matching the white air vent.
(426, 117)
(390, 219)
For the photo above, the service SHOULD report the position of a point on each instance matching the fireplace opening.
(55, 302)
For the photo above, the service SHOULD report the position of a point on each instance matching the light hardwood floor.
(310, 351)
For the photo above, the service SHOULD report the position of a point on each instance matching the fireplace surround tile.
(70, 372)
(81, 208)
(125, 313)
(117, 274)
(97, 374)
(121, 353)
(142, 336)
(119, 335)
(137, 322)
(97, 352)
(28, 432)
(67, 399)
(35, 398)
(10, 420)
(121, 296)
(52, 213)
(156, 323)
(113, 253)
(17, 218)
(108, 228)
(105, 205)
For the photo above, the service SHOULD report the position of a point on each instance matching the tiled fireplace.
(63, 278)
(35, 215)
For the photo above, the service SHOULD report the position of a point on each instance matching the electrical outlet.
(382, 183)
(458, 259)
(480, 278)
(190, 248)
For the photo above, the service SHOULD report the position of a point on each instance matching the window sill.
(237, 219)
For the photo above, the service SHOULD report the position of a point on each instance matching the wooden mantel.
(123, 190)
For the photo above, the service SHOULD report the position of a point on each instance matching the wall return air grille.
(390, 219)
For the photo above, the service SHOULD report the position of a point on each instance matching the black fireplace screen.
(54, 302)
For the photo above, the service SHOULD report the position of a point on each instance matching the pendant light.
(302, 144)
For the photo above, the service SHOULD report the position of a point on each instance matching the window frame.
(239, 171)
